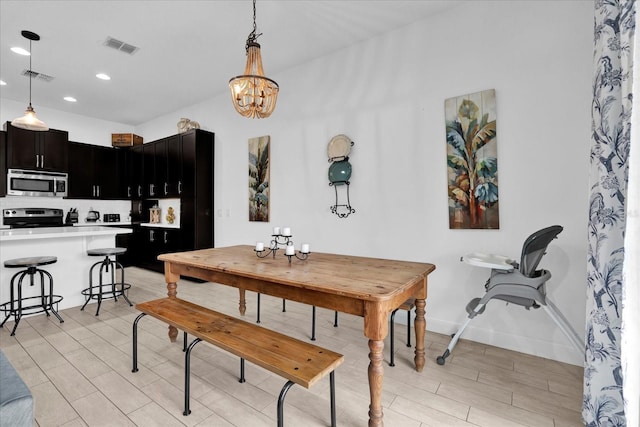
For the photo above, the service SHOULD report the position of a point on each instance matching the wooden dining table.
(367, 287)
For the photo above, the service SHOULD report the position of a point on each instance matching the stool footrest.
(106, 291)
(30, 309)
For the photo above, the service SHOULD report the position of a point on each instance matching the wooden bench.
(297, 361)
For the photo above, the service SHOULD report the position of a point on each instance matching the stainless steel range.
(32, 217)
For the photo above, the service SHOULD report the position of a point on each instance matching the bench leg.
(409, 328)
(332, 386)
(135, 342)
(335, 319)
(258, 317)
(241, 379)
(187, 375)
(283, 394)
(392, 337)
(184, 342)
(313, 324)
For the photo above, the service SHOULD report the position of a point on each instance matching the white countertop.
(59, 232)
(159, 225)
(101, 224)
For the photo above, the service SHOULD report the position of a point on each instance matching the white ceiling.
(188, 50)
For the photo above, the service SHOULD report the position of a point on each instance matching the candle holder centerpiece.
(282, 238)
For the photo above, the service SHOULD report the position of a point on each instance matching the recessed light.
(3, 83)
(102, 76)
(70, 99)
(20, 51)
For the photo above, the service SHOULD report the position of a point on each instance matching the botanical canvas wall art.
(259, 178)
(472, 161)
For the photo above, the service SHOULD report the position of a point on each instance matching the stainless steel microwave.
(22, 182)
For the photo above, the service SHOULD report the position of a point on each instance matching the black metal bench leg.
(332, 386)
(409, 328)
(135, 342)
(283, 394)
(184, 342)
(335, 319)
(392, 337)
(313, 324)
(241, 379)
(284, 305)
(258, 319)
(187, 375)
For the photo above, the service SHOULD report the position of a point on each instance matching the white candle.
(276, 231)
(290, 250)
(286, 231)
(259, 247)
(305, 248)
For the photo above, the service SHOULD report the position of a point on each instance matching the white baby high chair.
(515, 283)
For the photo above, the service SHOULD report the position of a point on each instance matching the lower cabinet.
(149, 242)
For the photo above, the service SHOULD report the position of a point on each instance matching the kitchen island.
(69, 245)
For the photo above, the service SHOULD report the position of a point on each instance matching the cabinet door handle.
(37, 161)
(128, 191)
(41, 160)
(93, 191)
(151, 235)
(151, 192)
(179, 187)
(139, 190)
(97, 191)
(166, 190)
(165, 237)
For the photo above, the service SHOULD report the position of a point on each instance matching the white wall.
(388, 94)
(80, 128)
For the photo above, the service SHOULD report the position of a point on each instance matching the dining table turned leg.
(243, 302)
(376, 373)
(172, 291)
(420, 326)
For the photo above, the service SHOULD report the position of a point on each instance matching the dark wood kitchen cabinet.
(93, 172)
(154, 241)
(189, 177)
(3, 164)
(37, 150)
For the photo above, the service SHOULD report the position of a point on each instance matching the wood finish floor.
(79, 372)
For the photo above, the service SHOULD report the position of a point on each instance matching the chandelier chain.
(252, 35)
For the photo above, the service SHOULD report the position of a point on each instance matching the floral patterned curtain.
(611, 110)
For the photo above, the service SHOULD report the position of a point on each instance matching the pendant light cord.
(30, 72)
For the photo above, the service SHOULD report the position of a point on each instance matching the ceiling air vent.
(36, 75)
(121, 46)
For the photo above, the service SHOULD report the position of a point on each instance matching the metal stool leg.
(54, 311)
(90, 296)
(118, 265)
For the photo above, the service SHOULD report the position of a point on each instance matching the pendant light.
(253, 94)
(29, 120)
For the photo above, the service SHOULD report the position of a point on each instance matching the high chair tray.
(497, 262)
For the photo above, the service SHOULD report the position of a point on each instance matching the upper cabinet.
(94, 172)
(37, 150)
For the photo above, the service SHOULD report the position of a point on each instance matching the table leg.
(420, 326)
(376, 373)
(243, 302)
(172, 291)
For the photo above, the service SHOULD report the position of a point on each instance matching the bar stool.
(106, 290)
(41, 303)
